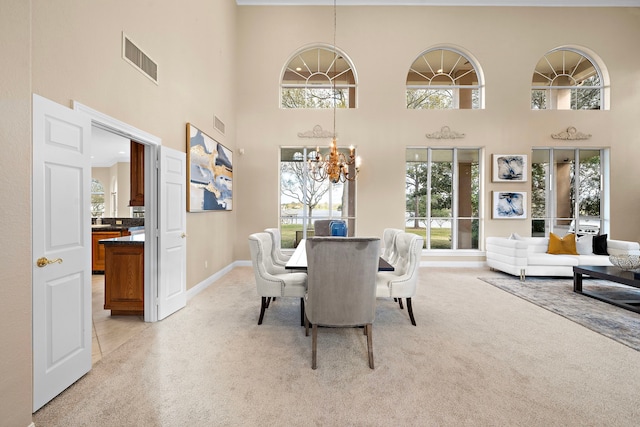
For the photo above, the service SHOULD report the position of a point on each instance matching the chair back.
(322, 227)
(409, 247)
(276, 242)
(338, 228)
(341, 280)
(263, 267)
(389, 241)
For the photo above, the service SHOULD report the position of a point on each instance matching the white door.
(61, 246)
(172, 263)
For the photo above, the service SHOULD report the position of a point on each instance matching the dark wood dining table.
(298, 260)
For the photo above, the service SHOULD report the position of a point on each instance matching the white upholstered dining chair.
(341, 286)
(403, 281)
(279, 258)
(389, 252)
(274, 281)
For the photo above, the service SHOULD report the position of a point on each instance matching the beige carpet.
(478, 357)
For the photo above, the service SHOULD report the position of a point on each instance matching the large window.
(567, 79)
(443, 196)
(444, 78)
(318, 77)
(304, 200)
(568, 191)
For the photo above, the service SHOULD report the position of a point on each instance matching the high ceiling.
(539, 3)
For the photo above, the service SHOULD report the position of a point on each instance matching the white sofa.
(527, 256)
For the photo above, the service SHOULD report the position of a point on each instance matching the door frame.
(152, 144)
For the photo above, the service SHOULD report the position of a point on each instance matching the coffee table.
(612, 274)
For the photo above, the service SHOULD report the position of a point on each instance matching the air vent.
(218, 124)
(136, 57)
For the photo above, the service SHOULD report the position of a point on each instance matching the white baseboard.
(192, 292)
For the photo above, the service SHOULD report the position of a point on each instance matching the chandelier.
(335, 166)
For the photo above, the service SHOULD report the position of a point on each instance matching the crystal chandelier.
(335, 166)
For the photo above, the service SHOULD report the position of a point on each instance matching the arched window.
(444, 78)
(97, 199)
(318, 77)
(567, 79)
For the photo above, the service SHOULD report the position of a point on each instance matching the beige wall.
(382, 42)
(68, 50)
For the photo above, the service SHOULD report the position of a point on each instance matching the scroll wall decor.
(445, 133)
(570, 134)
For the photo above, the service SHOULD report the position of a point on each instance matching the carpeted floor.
(478, 356)
(557, 296)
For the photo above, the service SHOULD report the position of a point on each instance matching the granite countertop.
(111, 227)
(134, 239)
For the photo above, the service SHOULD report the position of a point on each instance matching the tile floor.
(109, 332)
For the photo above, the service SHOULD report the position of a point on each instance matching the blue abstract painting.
(509, 205)
(509, 167)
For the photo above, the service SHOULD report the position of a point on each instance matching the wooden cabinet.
(137, 175)
(124, 279)
(97, 250)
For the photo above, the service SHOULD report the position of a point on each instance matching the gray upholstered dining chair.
(322, 227)
(278, 257)
(273, 281)
(341, 286)
(403, 281)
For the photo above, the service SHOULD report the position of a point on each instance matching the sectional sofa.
(527, 256)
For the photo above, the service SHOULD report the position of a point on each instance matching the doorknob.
(43, 262)
(183, 235)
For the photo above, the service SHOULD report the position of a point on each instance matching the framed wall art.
(509, 168)
(210, 173)
(509, 205)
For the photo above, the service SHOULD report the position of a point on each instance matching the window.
(568, 191)
(567, 79)
(318, 77)
(304, 200)
(443, 196)
(444, 79)
(97, 199)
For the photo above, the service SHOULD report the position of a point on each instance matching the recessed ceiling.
(538, 3)
(108, 148)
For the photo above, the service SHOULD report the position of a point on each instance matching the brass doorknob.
(43, 262)
(183, 235)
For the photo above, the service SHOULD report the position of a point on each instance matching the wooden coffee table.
(612, 274)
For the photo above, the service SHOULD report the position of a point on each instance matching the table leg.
(577, 282)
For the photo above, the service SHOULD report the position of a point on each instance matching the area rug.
(557, 296)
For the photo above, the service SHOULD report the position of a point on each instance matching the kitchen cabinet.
(124, 276)
(137, 175)
(97, 250)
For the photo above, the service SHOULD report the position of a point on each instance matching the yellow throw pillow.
(562, 245)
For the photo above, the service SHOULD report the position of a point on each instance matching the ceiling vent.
(136, 57)
(218, 124)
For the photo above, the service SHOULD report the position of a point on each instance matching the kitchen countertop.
(111, 227)
(134, 239)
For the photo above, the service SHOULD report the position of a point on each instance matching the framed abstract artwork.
(509, 205)
(210, 173)
(509, 168)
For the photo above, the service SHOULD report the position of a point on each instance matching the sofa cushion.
(594, 260)
(562, 245)
(584, 244)
(600, 245)
(552, 260)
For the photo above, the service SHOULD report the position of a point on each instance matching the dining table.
(298, 260)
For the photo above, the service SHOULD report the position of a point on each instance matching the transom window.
(442, 196)
(567, 79)
(318, 77)
(444, 78)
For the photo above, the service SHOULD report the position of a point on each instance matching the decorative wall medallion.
(317, 132)
(570, 134)
(445, 133)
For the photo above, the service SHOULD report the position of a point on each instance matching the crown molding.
(511, 3)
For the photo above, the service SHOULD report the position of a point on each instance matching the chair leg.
(263, 306)
(368, 329)
(410, 310)
(400, 302)
(302, 316)
(314, 345)
(306, 325)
